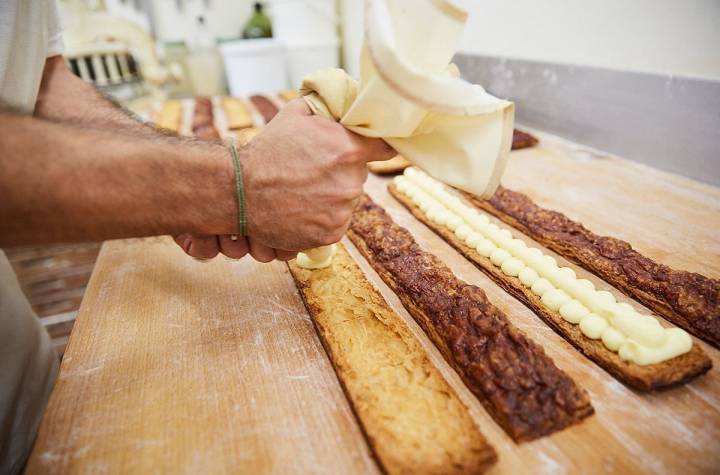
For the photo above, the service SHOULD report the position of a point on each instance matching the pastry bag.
(411, 96)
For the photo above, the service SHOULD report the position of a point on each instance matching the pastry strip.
(645, 378)
(522, 140)
(169, 115)
(244, 136)
(388, 167)
(399, 163)
(689, 300)
(513, 378)
(203, 123)
(413, 419)
(288, 95)
(265, 106)
(237, 114)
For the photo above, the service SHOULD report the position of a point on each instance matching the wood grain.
(199, 367)
(180, 366)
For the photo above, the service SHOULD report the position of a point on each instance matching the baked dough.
(387, 167)
(169, 115)
(511, 375)
(603, 352)
(288, 95)
(237, 114)
(687, 299)
(645, 341)
(244, 136)
(414, 421)
(267, 108)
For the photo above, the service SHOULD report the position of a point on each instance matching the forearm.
(65, 97)
(60, 182)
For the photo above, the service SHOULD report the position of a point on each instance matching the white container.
(205, 71)
(255, 66)
(303, 20)
(305, 58)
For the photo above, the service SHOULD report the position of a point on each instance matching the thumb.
(377, 149)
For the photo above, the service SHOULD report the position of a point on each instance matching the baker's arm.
(65, 97)
(63, 182)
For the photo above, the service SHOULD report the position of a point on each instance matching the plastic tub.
(305, 58)
(255, 66)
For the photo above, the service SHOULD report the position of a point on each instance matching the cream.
(317, 258)
(636, 337)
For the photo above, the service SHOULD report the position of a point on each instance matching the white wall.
(679, 37)
(662, 36)
(225, 18)
(313, 20)
(351, 16)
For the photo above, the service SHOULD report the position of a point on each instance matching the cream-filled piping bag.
(411, 96)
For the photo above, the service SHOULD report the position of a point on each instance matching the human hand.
(232, 246)
(302, 175)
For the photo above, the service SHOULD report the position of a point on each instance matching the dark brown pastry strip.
(689, 300)
(522, 140)
(399, 163)
(203, 120)
(511, 375)
(265, 106)
(644, 378)
(202, 112)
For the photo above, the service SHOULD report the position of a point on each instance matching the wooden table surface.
(182, 366)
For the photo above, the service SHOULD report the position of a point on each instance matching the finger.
(261, 252)
(203, 247)
(362, 172)
(283, 255)
(233, 248)
(184, 241)
(354, 205)
(375, 149)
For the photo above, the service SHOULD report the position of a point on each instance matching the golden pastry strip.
(415, 422)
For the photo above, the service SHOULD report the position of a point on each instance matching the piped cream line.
(316, 258)
(636, 337)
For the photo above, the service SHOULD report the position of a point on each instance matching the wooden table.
(182, 366)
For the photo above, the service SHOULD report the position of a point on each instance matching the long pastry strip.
(288, 95)
(399, 163)
(413, 419)
(203, 126)
(244, 136)
(169, 115)
(689, 300)
(513, 378)
(389, 167)
(522, 140)
(265, 106)
(237, 114)
(672, 371)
